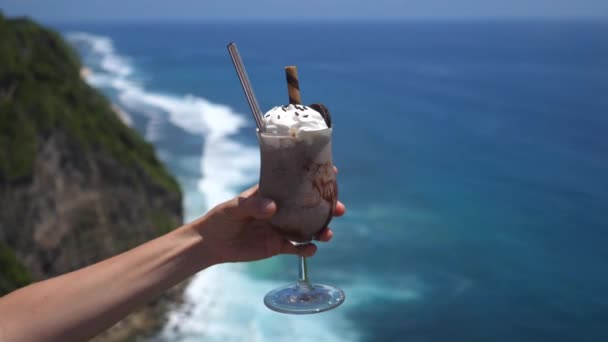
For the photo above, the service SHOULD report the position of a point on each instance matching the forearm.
(78, 305)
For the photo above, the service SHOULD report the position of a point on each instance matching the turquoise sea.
(473, 161)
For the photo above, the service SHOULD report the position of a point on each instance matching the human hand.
(238, 230)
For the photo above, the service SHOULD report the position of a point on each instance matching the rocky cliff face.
(76, 185)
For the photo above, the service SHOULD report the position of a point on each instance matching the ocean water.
(473, 160)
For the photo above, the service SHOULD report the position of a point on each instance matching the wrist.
(203, 254)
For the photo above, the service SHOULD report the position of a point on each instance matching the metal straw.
(240, 70)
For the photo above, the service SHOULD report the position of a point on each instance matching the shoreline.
(122, 114)
(85, 72)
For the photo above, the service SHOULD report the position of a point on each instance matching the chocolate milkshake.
(298, 174)
(297, 170)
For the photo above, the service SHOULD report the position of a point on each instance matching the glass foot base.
(301, 299)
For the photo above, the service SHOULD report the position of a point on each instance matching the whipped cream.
(293, 119)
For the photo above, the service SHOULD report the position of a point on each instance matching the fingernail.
(265, 205)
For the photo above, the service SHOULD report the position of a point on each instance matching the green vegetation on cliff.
(14, 275)
(76, 184)
(41, 92)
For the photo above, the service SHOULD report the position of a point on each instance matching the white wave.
(226, 165)
(223, 302)
(102, 47)
(154, 125)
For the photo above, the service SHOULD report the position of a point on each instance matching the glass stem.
(303, 282)
(303, 274)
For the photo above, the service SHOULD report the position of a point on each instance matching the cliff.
(76, 184)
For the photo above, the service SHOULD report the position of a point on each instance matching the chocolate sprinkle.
(305, 115)
(297, 114)
(279, 117)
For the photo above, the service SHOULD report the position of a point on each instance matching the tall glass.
(298, 174)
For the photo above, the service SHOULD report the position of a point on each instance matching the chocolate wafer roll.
(293, 86)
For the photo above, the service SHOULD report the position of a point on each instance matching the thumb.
(253, 207)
